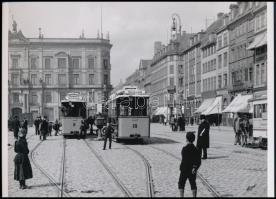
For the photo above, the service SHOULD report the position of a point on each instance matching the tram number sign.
(135, 126)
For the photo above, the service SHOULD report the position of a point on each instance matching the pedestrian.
(250, 130)
(25, 125)
(108, 134)
(22, 165)
(192, 121)
(44, 128)
(175, 123)
(83, 129)
(244, 130)
(50, 129)
(183, 122)
(36, 124)
(203, 136)
(165, 120)
(179, 123)
(237, 129)
(16, 126)
(56, 127)
(172, 122)
(189, 165)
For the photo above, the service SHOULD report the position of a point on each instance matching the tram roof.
(73, 100)
(121, 96)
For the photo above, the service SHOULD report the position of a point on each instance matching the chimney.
(220, 15)
(157, 46)
(234, 10)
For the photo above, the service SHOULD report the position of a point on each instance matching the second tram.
(73, 109)
(128, 110)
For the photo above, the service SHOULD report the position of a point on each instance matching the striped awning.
(259, 41)
(239, 105)
(205, 104)
(215, 107)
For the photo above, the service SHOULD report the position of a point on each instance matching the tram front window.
(135, 106)
(76, 109)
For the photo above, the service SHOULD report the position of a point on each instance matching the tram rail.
(120, 185)
(150, 185)
(59, 186)
(204, 181)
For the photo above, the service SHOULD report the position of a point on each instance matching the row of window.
(260, 78)
(239, 52)
(242, 75)
(225, 60)
(222, 43)
(209, 84)
(220, 83)
(15, 80)
(61, 63)
(260, 21)
(209, 66)
(208, 51)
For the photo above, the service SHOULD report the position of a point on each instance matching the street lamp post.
(42, 96)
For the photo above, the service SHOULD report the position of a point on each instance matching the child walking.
(190, 163)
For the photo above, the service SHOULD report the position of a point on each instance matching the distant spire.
(82, 34)
(101, 24)
(40, 35)
(14, 25)
(98, 35)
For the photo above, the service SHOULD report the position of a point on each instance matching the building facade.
(43, 70)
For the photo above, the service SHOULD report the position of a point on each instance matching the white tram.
(260, 120)
(128, 110)
(73, 110)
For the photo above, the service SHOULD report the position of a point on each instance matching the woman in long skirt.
(22, 165)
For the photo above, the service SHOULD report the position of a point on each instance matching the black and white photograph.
(138, 99)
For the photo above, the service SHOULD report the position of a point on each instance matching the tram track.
(117, 181)
(59, 186)
(204, 181)
(150, 185)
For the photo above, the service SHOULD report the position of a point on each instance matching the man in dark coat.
(83, 129)
(44, 128)
(22, 166)
(56, 127)
(50, 128)
(179, 123)
(203, 136)
(108, 134)
(25, 125)
(16, 126)
(189, 165)
(36, 124)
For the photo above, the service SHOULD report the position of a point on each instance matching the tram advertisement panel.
(133, 126)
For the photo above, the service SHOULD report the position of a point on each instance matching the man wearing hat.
(108, 134)
(44, 128)
(203, 136)
(16, 126)
(22, 165)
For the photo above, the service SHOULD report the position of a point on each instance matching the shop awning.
(259, 40)
(205, 104)
(215, 107)
(161, 111)
(239, 104)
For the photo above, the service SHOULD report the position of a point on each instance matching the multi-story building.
(191, 56)
(164, 77)
(43, 70)
(133, 79)
(259, 48)
(144, 66)
(223, 67)
(241, 34)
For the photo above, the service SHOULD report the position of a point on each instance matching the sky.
(133, 26)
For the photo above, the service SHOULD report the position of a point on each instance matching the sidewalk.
(195, 127)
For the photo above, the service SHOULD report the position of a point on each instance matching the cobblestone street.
(86, 176)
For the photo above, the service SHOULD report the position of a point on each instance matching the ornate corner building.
(43, 70)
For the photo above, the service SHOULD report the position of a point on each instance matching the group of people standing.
(243, 129)
(44, 128)
(177, 123)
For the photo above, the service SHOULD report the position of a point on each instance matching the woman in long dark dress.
(22, 165)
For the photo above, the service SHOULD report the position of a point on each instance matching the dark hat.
(202, 117)
(190, 136)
